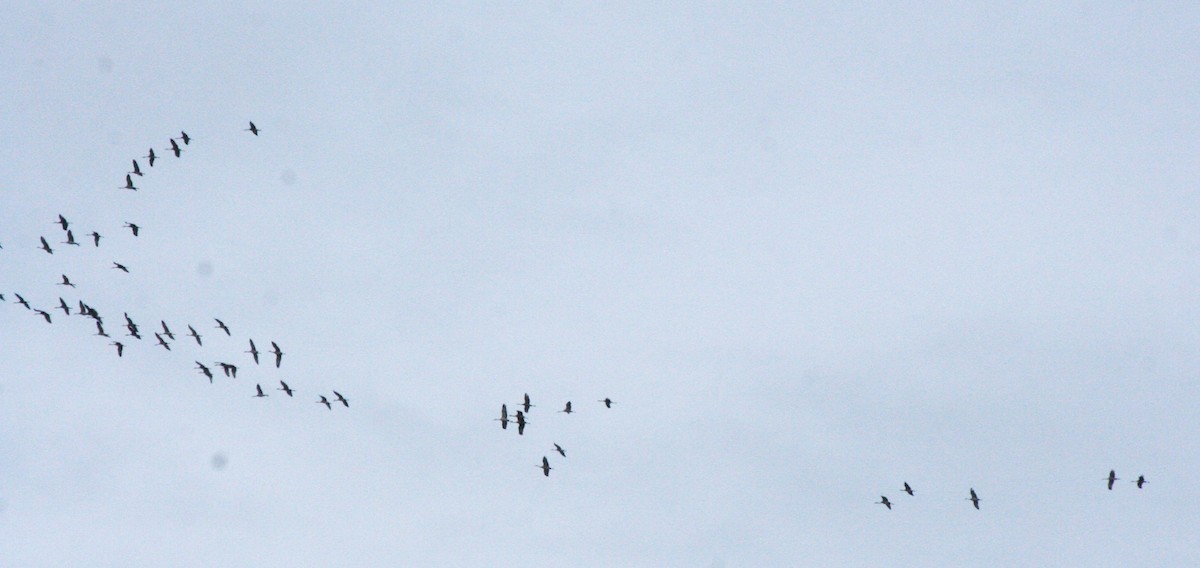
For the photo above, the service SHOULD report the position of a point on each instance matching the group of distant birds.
(165, 336)
(520, 420)
(974, 498)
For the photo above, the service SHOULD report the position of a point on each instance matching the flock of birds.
(164, 337)
(520, 420)
(974, 498)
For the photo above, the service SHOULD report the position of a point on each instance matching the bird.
(167, 330)
(229, 370)
(136, 170)
(520, 423)
(253, 129)
(186, 139)
(545, 466)
(129, 183)
(124, 269)
(128, 320)
(162, 342)
(95, 238)
(44, 315)
(151, 157)
(341, 399)
(70, 239)
(278, 354)
(1112, 477)
(325, 401)
(22, 301)
(884, 502)
(133, 227)
(175, 148)
(560, 451)
(285, 388)
(907, 488)
(568, 408)
(100, 330)
(253, 351)
(62, 222)
(133, 331)
(66, 281)
(205, 370)
(503, 417)
(196, 336)
(1140, 481)
(46, 246)
(120, 348)
(62, 305)
(607, 402)
(221, 325)
(526, 404)
(260, 392)
(974, 499)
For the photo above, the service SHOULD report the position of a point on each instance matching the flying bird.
(62, 305)
(607, 402)
(568, 408)
(136, 170)
(229, 370)
(221, 325)
(520, 423)
(545, 466)
(325, 401)
(62, 222)
(133, 227)
(503, 417)
(129, 183)
(1112, 477)
(167, 330)
(560, 451)
(100, 330)
(260, 392)
(253, 351)
(175, 148)
(70, 239)
(278, 354)
(884, 502)
(205, 370)
(133, 331)
(66, 281)
(196, 336)
(43, 314)
(186, 139)
(95, 238)
(46, 246)
(253, 129)
(22, 301)
(341, 399)
(122, 268)
(974, 499)
(526, 404)
(907, 488)
(1140, 481)
(151, 157)
(286, 388)
(162, 342)
(120, 348)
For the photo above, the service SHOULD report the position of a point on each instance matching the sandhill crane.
(205, 370)
(120, 348)
(46, 246)
(503, 417)
(133, 331)
(253, 351)
(167, 330)
(325, 401)
(545, 467)
(175, 148)
(221, 325)
(44, 314)
(974, 499)
(136, 170)
(62, 305)
(162, 342)
(568, 408)
(123, 268)
(128, 320)
(607, 402)
(229, 370)
(278, 354)
(186, 139)
(907, 488)
(1112, 477)
(196, 336)
(560, 451)
(22, 301)
(66, 281)
(520, 423)
(526, 404)
(129, 183)
(100, 329)
(95, 238)
(286, 388)
(62, 222)
(260, 392)
(132, 227)
(253, 129)
(341, 399)
(151, 157)
(70, 239)
(1140, 481)
(884, 502)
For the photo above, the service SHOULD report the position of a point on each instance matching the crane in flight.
(884, 502)
(253, 129)
(974, 499)
(286, 388)
(560, 451)
(1140, 481)
(325, 401)
(253, 351)
(568, 408)
(196, 336)
(1112, 477)
(278, 354)
(907, 488)
(503, 420)
(545, 467)
(260, 392)
(129, 183)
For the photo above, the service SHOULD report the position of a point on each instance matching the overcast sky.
(811, 252)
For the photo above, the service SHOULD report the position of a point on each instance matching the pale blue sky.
(812, 252)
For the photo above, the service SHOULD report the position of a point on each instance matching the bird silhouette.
(1140, 481)
(46, 246)
(62, 305)
(607, 402)
(136, 170)
(278, 354)
(520, 423)
(100, 329)
(325, 401)
(133, 227)
(22, 301)
(95, 238)
(253, 351)
(70, 239)
(205, 370)
(974, 499)
(341, 399)
(1112, 477)
(186, 139)
(260, 392)
(545, 466)
(560, 451)
(120, 348)
(253, 129)
(122, 268)
(133, 331)
(568, 408)
(151, 157)
(129, 183)
(229, 370)
(62, 222)
(503, 417)
(196, 336)
(907, 488)
(66, 281)
(884, 502)
(526, 404)
(44, 314)
(162, 342)
(285, 388)
(167, 330)
(175, 148)
(221, 325)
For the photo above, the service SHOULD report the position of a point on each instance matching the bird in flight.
(186, 139)
(560, 451)
(526, 404)
(196, 336)
(1140, 481)
(62, 222)
(162, 342)
(205, 370)
(520, 423)
(95, 238)
(22, 301)
(907, 488)
(133, 331)
(66, 281)
(167, 330)
(568, 408)
(129, 183)
(46, 246)
(122, 268)
(43, 314)
(62, 305)
(133, 227)
(100, 329)
(175, 148)
(341, 399)
(136, 170)
(120, 348)
(884, 502)
(974, 499)
(545, 467)
(607, 402)
(278, 354)
(70, 239)
(1112, 477)
(221, 325)
(503, 417)
(253, 129)
(286, 388)
(229, 370)
(151, 157)
(325, 401)
(260, 392)
(253, 351)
